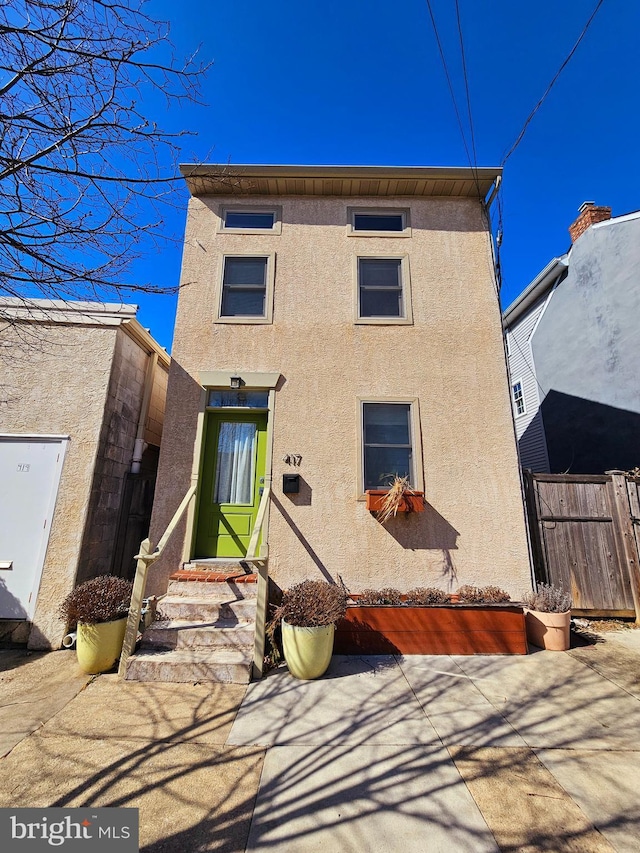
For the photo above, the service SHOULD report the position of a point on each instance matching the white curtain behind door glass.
(235, 463)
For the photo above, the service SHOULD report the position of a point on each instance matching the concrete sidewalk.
(531, 753)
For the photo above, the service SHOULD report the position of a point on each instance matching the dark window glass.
(245, 219)
(244, 287)
(380, 287)
(378, 222)
(387, 443)
(221, 399)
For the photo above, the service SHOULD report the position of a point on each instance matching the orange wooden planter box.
(413, 502)
(456, 629)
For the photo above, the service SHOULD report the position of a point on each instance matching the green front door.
(231, 483)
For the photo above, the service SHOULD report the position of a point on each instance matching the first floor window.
(387, 443)
(518, 398)
(244, 287)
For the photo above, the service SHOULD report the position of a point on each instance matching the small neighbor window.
(387, 443)
(247, 283)
(250, 220)
(518, 398)
(382, 290)
(379, 222)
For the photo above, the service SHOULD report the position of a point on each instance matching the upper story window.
(251, 220)
(518, 398)
(387, 444)
(247, 289)
(383, 291)
(379, 222)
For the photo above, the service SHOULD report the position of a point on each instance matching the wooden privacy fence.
(585, 537)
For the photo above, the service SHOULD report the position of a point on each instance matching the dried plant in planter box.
(388, 595)
(482, 595)
(399, 489)
(426, 595)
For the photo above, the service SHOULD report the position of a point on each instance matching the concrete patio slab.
(191, 797)
(555, 701)
(360, 700)
(116, 709)
(365, 798)
(525, 806)
(34, 687)
(615, 660)
(605, 786)
(455, 707)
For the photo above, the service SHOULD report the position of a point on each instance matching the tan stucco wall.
(58, 385)
(451, 359)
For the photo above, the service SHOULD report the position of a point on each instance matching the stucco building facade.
(82, 393)
(343, 325)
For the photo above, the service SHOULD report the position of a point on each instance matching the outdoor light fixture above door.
(236, 382)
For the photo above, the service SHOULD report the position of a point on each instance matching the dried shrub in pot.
(426, 595)
(548, 599)
(101, 599)
(470, 594)
(311, 604)
(494, 595)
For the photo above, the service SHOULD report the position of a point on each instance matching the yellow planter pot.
(99, 646)
(307, 651)
(548, 630)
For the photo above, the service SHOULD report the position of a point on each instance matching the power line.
(466, 87)
(446, 74)
(552, 83)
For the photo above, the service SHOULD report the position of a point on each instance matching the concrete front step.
(184, 634)
(206, 609)
(228, 666)
(228, 589)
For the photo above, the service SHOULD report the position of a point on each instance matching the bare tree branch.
(84, 171)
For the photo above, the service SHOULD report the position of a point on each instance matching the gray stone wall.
(114, 456)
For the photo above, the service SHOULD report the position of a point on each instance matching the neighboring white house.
(573, 351)
(82, 398)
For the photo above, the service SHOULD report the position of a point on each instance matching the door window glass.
(235, 463)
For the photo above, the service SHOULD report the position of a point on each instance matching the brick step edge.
(213, 577)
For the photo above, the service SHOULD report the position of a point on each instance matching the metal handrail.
(145, 558)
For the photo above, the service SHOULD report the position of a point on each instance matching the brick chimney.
(589, 215)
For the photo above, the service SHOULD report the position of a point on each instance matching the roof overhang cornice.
(350, 181)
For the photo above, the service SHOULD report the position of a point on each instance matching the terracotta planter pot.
(98, 647)
(455, 629)
(548, 630)
(413, 502)
(307, 651)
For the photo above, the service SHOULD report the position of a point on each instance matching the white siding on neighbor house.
(529, 428)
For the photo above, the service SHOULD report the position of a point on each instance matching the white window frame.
(267, 317)
(379, 211)
(407, 318)
(276, 210)
(514, 401)
(415, 435)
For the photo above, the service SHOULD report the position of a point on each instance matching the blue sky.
(361, 82)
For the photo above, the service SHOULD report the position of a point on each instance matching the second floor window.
(380, 288)
(244, 287)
